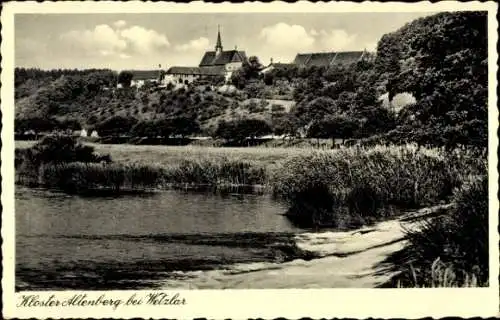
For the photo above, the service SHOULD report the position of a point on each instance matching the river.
(136, 242)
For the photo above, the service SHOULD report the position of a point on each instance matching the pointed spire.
(218, 46)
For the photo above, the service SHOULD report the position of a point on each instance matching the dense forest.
(440, 60)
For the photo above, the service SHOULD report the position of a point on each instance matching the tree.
(184, 126)
(268, 79)
(286, 124)
(335, 127)
(442, 62)
(116, 126)
(146, 128)
(314, 110)
(237, 131)
(250, 69)
(125, 78)
(36, 124)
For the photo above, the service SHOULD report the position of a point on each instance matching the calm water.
(72, 242)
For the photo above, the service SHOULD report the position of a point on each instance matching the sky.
(147, 40)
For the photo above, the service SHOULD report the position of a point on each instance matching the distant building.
(141, 77)
(217, 63)
(186, 75)
(94, 134)
(327, 59)
(277, 66)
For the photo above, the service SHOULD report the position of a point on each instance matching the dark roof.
(145, 74)
(203, 71)
(225, 57)
(325, 59)
(348, 57)
(301, 59)
(279, 66)
(283, 65)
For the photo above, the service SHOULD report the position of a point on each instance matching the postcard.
(249, 160)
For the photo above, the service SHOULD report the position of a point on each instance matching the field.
(168, 155)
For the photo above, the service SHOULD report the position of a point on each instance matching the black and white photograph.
(252, 150)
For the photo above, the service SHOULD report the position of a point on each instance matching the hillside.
(427, 84)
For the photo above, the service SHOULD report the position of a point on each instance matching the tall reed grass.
(353, 186)
(458, 239)
(441, 275)
(79, 177)
(216, 172)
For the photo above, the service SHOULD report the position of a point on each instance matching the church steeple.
(218, 46)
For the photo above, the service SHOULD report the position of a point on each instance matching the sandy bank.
(348, 260)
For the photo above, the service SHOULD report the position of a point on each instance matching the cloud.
(120, 23)
(144, 40)
(102, 40)
(287, 36)
(337, 40)
(199, 44)
(106, 41)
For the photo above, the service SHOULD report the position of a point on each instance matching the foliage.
(442, 61)
(237, 131)
(125, 78)
(457, 241)
(215, 172)
(116, 126)
(80, 177)
(249, 70)
(61, 149)
(354, 185)
(333, 127)
(52, 150)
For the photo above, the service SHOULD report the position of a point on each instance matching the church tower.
(218, 46)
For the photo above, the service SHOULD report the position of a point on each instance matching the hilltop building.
(327, 59)
(320, 59)
(141, 77)
(277, 66)
(217, 63)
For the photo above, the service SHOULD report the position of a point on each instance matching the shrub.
(458, 240)
(59, 149)
(52, 150)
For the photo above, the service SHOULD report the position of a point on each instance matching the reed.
(79, 177)
(442, 275)
(216, 172)
(352, 186)
(458, 240)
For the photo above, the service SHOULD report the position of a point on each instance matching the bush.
(458, 241)
(52, 151)
(59, 149)
(364, 184)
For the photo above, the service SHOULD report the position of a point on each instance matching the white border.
(296, 303)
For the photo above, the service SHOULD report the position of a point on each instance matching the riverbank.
(353, 259)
